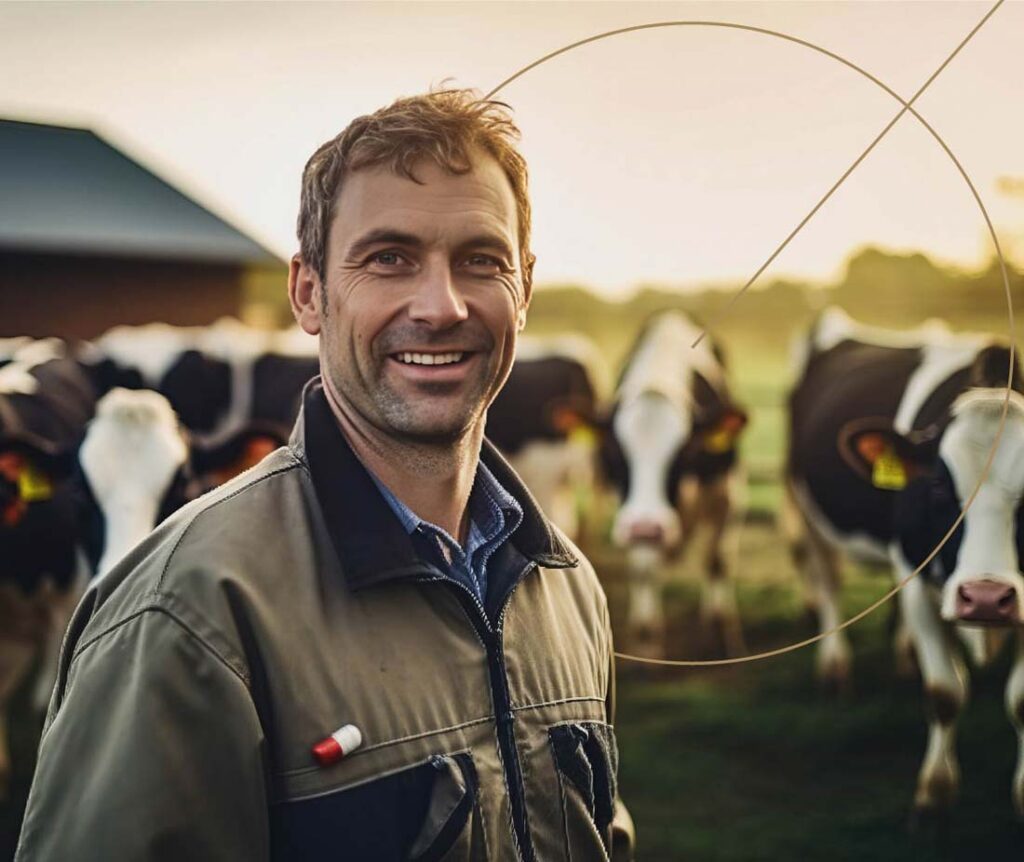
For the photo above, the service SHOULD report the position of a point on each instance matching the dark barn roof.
(67, 191)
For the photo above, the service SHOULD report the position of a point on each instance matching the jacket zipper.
(504, 716)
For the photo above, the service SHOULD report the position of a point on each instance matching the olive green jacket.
(197, 676)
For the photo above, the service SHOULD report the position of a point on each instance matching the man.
(372, 645)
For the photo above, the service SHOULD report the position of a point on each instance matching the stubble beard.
(395, 415)
(404, 420)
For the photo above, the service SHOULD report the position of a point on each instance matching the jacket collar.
(372, 545)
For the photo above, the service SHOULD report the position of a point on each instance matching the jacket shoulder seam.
(191, 632)
(212, 506)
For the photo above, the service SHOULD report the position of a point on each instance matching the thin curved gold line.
(907, 107)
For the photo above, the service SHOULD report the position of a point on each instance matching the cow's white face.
(986, 584)
(650, 430)
(132, 451)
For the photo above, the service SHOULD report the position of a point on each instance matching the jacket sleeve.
(154, 752)
(623, 830)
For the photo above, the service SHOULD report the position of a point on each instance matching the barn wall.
(80, 297)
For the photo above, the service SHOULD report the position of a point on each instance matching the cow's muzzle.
(646, 531)
(987, 601)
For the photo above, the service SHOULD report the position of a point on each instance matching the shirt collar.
(493, 511)
(372, 544)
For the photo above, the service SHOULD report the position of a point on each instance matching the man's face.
(422, 297)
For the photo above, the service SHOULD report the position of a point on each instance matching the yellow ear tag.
(888, 472)
(583, 435)
(719, 439)
(34, 486)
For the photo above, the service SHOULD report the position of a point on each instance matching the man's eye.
(387, 258)
(484, 261)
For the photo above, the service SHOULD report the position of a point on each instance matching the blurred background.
(150, 157)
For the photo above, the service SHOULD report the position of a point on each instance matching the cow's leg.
(904, 657)
(718, 597)
(794, 528)
(688, 507)
(645, 620)
(543, 467)
(945, 689)
(58, 610)
(1015, 707)
(15, 662)
(18, 647)
(823, 570)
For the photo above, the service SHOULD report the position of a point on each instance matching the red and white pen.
(343, 741)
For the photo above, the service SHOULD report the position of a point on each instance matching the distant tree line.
(876, 286)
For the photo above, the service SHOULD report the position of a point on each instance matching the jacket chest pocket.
(586, 760)
(429, 812)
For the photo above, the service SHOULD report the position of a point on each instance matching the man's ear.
(527, 289)
(305, 295)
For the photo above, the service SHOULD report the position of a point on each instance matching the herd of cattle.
(893, 436)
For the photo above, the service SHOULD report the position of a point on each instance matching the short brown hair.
(444, 125)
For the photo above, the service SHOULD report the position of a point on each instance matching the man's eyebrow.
(488, 240)
(382, 235)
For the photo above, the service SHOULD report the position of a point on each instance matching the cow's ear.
(40, 455)
(575, 418)
(215, 465)
(721, 436)
(29, 474)
(885, 458)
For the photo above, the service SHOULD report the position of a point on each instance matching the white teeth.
(429, 358)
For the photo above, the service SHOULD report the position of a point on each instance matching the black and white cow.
(890, 434)
(545, 421)
(671, 451)
(82, 481)
(45, 402)
(220, 380)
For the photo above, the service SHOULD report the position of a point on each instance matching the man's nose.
(438, 301)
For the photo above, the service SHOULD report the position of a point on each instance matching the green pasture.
(757, 762)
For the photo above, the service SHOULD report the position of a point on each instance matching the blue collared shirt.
(494, 514)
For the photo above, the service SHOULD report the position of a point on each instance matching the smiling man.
(372, 645)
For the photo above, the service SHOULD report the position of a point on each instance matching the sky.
(674, 156)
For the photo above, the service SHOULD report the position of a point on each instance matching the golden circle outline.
(907, 107)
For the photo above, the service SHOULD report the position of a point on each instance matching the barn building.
(89, 238)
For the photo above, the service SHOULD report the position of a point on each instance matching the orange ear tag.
(888, 472)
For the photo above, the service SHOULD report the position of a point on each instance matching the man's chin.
(434, 431)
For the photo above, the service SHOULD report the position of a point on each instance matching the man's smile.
(434, 365)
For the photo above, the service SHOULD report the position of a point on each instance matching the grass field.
(756, 762)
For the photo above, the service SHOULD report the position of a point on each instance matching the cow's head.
(133, 471)
(212, 465)
(654, 441)
(138, 466)
(979, 569)
(37, 523)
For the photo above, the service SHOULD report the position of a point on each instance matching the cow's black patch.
(541, 400)
(278, 382)
(923, 513)
(199, 389)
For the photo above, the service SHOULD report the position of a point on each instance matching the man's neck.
(432, 480)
